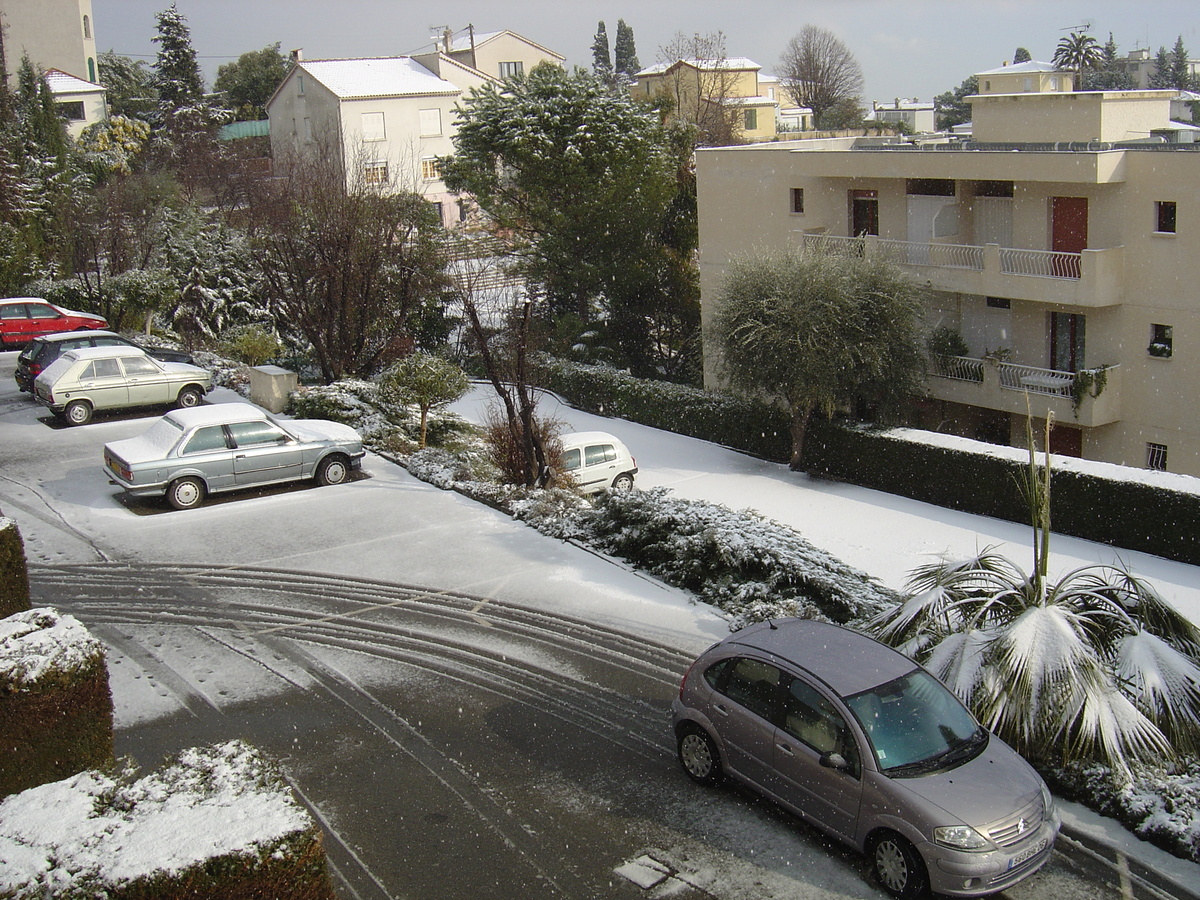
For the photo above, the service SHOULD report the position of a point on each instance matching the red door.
(1068, 233)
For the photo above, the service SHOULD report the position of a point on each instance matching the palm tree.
(1076, 52)
(1094, 666)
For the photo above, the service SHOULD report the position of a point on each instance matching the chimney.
(448, 39)
(297, 55)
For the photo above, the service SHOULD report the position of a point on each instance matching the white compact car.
(597, 461)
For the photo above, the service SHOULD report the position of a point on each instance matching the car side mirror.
(834, 760)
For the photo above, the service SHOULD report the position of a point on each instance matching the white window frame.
(375, 172)
(512, 68)
(429, 169)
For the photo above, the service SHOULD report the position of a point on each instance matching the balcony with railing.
(1090, 397)
(1091, 278)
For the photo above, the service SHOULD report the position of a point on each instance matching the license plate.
(1027, 854)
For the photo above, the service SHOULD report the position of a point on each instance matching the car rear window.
(600, 453)
(162, 435)
(211, 437)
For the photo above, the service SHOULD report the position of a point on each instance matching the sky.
(907, 48)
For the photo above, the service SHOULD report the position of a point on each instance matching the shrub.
(14, 574)
(252, 344)
(504, 451)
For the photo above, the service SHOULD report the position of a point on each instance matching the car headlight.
(960, 837)
(1047, 802)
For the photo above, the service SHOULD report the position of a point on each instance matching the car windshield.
(917, 726)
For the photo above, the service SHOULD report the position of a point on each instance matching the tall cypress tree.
(1160, 77)
(1181, 71)
(602, 66)
(626, 62)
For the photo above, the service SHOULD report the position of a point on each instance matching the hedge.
(54, 700)
(972, 477)
(14, 575)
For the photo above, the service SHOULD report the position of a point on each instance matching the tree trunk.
(800, 416)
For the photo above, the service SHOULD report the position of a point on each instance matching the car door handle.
(240, 456)
(785, 749)
(722, 710)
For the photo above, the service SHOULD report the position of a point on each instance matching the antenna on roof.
(1085, 26)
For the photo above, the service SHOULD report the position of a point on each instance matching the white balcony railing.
(1040, 263)
(959, 368)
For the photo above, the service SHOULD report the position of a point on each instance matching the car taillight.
(34, 370)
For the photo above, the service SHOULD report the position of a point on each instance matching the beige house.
(500, 54)
(1062, 244)
(80, 102)
(387, 120)
(722, 96)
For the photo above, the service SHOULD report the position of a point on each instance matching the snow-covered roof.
(903, 104)
(727, 62)
(1024, 68)
(749, 101)
(60, 82)
(393, 76)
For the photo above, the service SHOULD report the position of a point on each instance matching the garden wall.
(1156, 513)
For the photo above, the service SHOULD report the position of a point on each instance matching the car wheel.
(78, 412)
(698, 755)
(185, 493)
(189, 397)
(623, 482)
(333, 469)
(898, 866)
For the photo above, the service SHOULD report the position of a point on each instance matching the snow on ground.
(883, 534)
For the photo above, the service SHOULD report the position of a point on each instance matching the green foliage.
(129, 83)
(1021, 55)
(946, 341)
(625, 60)
(14, 574)
(1110, 74)
(424, 380)
(254, 345)
(820, 332)
(599, 196)
(1078, 52)
(602, 65)
(112, 146)
(744, 424)
(951, 108)
(249, 82)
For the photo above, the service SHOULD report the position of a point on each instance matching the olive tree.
(820, 331)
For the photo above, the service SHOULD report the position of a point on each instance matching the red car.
(24, 318)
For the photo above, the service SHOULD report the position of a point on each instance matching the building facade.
(724, 97)
(1060, 246)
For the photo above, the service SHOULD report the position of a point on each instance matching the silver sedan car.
(865, 744)
(190, 453)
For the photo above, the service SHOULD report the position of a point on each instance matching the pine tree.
(1021, 55)
(177, 76)
(602, 66)
(1111, 74)
(626, 62)
(1160, 77)
(1181, 70)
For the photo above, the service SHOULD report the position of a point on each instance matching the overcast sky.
(907, 48)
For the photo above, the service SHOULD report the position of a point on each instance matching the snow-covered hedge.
(55, 703)
(217, 822)
(14, 574)
(748, 566)
(1160, 807)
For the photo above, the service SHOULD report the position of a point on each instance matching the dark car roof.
(846, 660)
(67, 335)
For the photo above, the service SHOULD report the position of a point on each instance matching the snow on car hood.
(322, 429)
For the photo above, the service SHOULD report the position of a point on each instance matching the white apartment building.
(1061, 242)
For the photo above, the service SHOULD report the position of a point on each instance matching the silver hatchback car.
(865, 744)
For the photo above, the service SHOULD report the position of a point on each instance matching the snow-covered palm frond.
(1164, 683)
(1044, 659)
(919, 614)
(959, 660)
(1108, 725)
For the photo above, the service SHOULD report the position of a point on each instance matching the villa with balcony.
(1059, 246)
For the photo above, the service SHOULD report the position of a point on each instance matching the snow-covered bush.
(1160, 806)
(748, 566)
(217, 822)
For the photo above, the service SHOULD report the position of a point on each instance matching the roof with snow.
(60, 82)
(1025, 68)
(727, 62)
(393, 76)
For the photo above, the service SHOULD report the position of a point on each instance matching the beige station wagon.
(87, 379)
